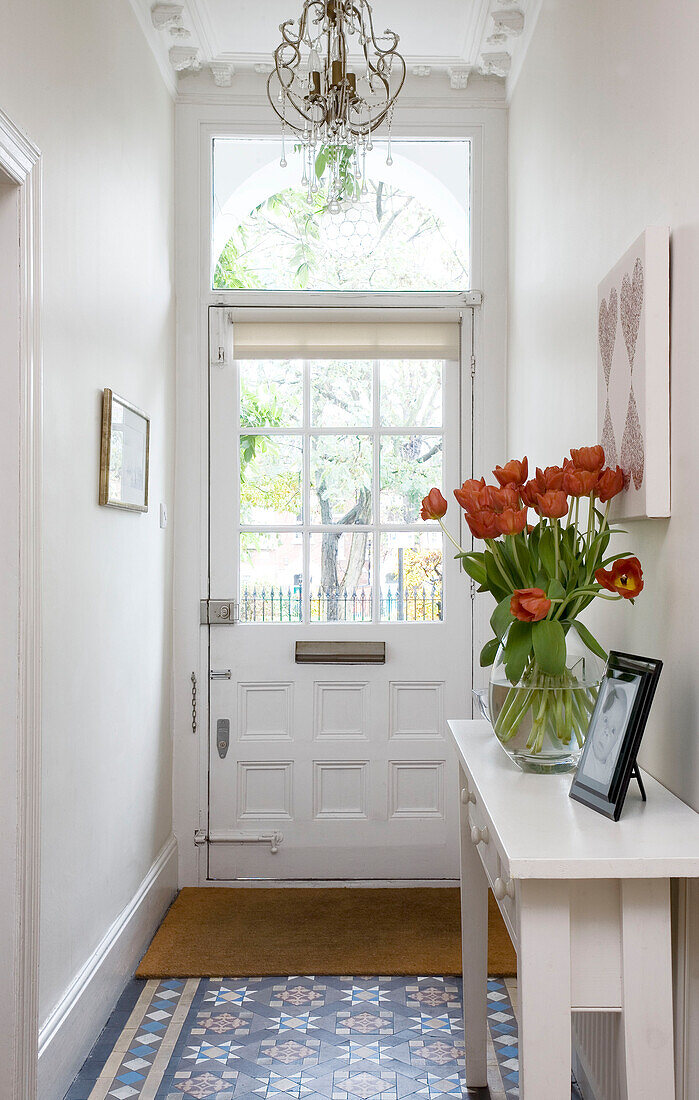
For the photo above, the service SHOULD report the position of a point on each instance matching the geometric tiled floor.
(301, 1038)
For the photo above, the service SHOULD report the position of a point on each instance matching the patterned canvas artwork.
(633, 376)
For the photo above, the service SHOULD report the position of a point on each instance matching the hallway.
(279, 291)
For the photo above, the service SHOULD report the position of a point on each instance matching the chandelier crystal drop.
(334, 82)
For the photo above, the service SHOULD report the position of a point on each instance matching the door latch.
(218, 612)
(223, 735)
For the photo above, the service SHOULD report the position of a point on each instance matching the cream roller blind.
(418, 339)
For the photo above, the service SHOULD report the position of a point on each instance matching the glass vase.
(542, 720)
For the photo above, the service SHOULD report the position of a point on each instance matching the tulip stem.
(515, 555)
(556, 548)
(497, 558)
(590, 519)
(451, 538)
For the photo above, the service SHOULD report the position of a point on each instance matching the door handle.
(223, 736)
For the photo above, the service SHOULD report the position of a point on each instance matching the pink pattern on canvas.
(608, 440)
(606, 332)
(630, 308)
(632, 446)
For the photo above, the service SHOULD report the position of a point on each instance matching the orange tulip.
(611, 482)
(532, 489)
(553, 504)
(579, 483)
(483, 525)
(434, 505)
(513, 472)
(588, 458)
(625, 578)
(472, 495)
(551, 477)
(474, 483)
(471, 500)
(511, 522)
(500, 499)
(529, 605)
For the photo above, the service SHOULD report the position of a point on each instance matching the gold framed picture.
(124, 454)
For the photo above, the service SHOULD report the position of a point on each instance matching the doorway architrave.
(20, 686)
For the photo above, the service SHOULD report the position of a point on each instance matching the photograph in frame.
(608, 759)
(125, 453)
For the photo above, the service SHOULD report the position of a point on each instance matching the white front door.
(323, 440)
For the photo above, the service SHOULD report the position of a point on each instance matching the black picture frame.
(608, 759)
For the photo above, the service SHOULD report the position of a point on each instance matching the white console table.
(587, 903)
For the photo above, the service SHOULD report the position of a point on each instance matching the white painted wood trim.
(66, 1037)
(331, 883)
(20, 159)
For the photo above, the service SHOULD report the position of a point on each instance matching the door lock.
(218, 612)
(223, 735)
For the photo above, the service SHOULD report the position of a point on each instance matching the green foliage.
(342, 156)
(474, 565)
(501, 617)
(558, 558)
(549, 644)
(590, 640)
(517, 650)
(489, 652)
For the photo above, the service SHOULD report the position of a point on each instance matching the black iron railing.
(275, 604)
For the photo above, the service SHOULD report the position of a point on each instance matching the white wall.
(80, 80)
(603, 141)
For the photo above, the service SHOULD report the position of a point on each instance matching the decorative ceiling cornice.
(184, 38)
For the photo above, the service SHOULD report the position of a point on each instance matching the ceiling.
(228, 37)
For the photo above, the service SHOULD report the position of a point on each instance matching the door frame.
(20, 161)
(196, 125)
(467, 304)
(221, 322)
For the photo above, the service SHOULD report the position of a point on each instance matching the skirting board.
(65, 1039)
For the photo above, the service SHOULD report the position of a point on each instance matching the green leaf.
(489, 651)
(549, 647)
(523, 559)
(590, 640)
(541, 580)
(501, 617)
(547, 553)
(555, 590)
(321, 163)
(475, 567)
(496, 582)
(517, 650)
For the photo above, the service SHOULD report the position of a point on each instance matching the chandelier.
(335, 101)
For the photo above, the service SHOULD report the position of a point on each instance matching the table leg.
(543, 990)
(474, 947)
(647, 989)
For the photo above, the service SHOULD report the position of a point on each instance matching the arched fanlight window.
(408, 232)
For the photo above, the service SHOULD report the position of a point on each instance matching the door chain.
(194, 702)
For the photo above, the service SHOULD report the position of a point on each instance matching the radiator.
(596, 1038)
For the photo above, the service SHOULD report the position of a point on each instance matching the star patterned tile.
(302, 1038)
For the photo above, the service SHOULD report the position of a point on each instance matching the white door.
(324, 437)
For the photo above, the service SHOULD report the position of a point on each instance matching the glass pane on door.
(334, 460)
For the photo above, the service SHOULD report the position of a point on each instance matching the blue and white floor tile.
(301, 1038)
